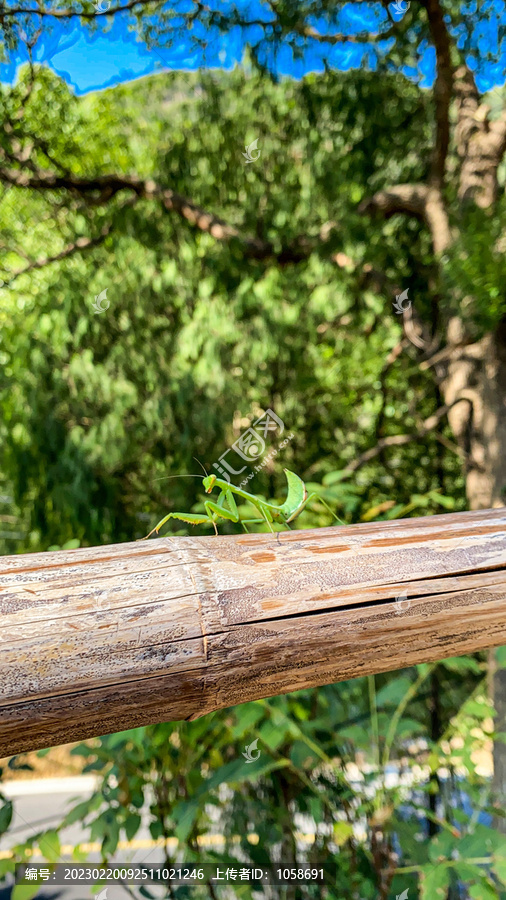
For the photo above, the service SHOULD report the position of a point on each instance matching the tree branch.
(443, 88)
(360, 38)
(422, 201)
(100, 189)
(398, 440)
(7, 12)
(78, 246)
(402, 198)
(418, 200)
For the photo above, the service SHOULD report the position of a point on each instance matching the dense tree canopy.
(161, 291)
(107, 417)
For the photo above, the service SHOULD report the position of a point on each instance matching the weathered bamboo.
(107, 638)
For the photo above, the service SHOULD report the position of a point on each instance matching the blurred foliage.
(96, 409)
(321, 770)
(474, 271)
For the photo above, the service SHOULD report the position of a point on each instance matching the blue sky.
(111, 53)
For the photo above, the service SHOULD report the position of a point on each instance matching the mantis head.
(209, 482)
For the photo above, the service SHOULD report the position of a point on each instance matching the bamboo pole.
(102, 639)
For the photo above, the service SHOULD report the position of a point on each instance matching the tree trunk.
(478, 372)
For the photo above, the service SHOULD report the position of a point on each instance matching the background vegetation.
(283, 300)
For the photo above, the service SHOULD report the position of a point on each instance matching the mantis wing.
(295, 497)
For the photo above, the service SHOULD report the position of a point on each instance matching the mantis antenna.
(167, 477)
(206, 473)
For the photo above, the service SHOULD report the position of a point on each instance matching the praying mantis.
(296, 500)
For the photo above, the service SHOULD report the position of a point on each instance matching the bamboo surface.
(102, 639)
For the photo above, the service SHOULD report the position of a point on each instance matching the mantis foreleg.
(266, 516)
(215, 511)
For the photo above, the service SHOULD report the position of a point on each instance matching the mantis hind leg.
(189, 518)
(309, 499)
(256, 522)
(264, 512)
(327, 507)
(267, 518)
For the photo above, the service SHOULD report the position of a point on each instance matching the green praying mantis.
(296, 500)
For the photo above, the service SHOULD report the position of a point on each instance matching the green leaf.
(435, 882)
(441, 846)
(7, 865)
(81, 810)
(357, 734)
(341, 832)
(79, 854)
(442, 500)
(335, 477)
(301, 755)
(468, 873)
(272, 736)
(5, 815)
(49, 845)
(461, 665)
(481, 841)
(132, 825)
(25, 891)
(393, 692)
(110, 841)
(184, 815)
(247, 717)
(316, 809)
(483, 891)
(499, 868)
(156, 829)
